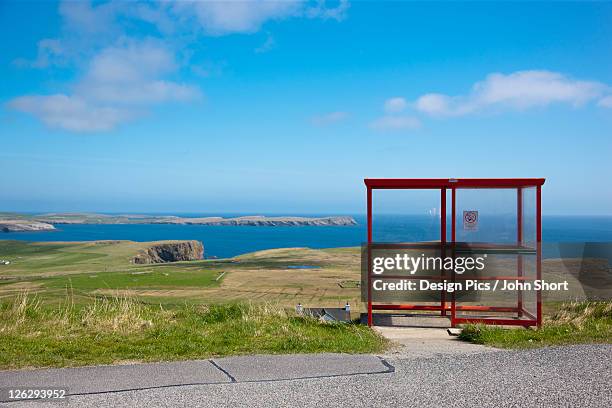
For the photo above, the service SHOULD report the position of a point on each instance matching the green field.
(45, 259)
(145, 279)
(93, 269)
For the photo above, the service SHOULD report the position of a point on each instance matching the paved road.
(571, 376)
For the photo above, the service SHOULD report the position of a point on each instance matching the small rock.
(453, 331)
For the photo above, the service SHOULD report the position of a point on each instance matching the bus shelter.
(510, 234)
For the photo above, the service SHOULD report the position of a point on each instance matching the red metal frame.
(519, 240)
(389, 183)
(524, 318)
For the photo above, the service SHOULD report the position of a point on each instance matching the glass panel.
(406, 215)
(486, 215)
(529, 216)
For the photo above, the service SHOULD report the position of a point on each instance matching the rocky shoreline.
(24, 226)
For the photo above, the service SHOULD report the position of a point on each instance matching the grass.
(91, 269)
(572, 323)
(152, 279)
(41, 258)
(121, 329)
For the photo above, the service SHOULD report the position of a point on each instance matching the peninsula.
(14, 222)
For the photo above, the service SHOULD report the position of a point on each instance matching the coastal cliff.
(174, 251)
(24, 226)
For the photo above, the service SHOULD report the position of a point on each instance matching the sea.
(229, 241)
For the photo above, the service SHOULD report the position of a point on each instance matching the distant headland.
(14, 222)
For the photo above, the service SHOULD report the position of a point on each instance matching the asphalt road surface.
(570, 376)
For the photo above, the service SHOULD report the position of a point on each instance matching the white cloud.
(156, 14)
(433, 104)
(221, 18)
(393, 120)
(86, 18)
(519, 90)
(131, 61)
(140, 92)
(320, 10)
(218, 18)
(119, 83)
(50, 51)
(394, 105)
(395, 123)
(71, 113)
(131, 74)
(605, 102)
(329, 118)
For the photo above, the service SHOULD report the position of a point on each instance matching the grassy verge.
(572, 323)
(112, 330)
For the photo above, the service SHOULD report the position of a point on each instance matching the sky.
(285, 107)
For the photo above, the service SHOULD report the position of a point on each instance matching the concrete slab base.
(427, 342)
(407, 320)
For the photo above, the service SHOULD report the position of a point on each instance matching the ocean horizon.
(229, 241)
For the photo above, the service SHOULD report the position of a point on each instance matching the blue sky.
(285, 107)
